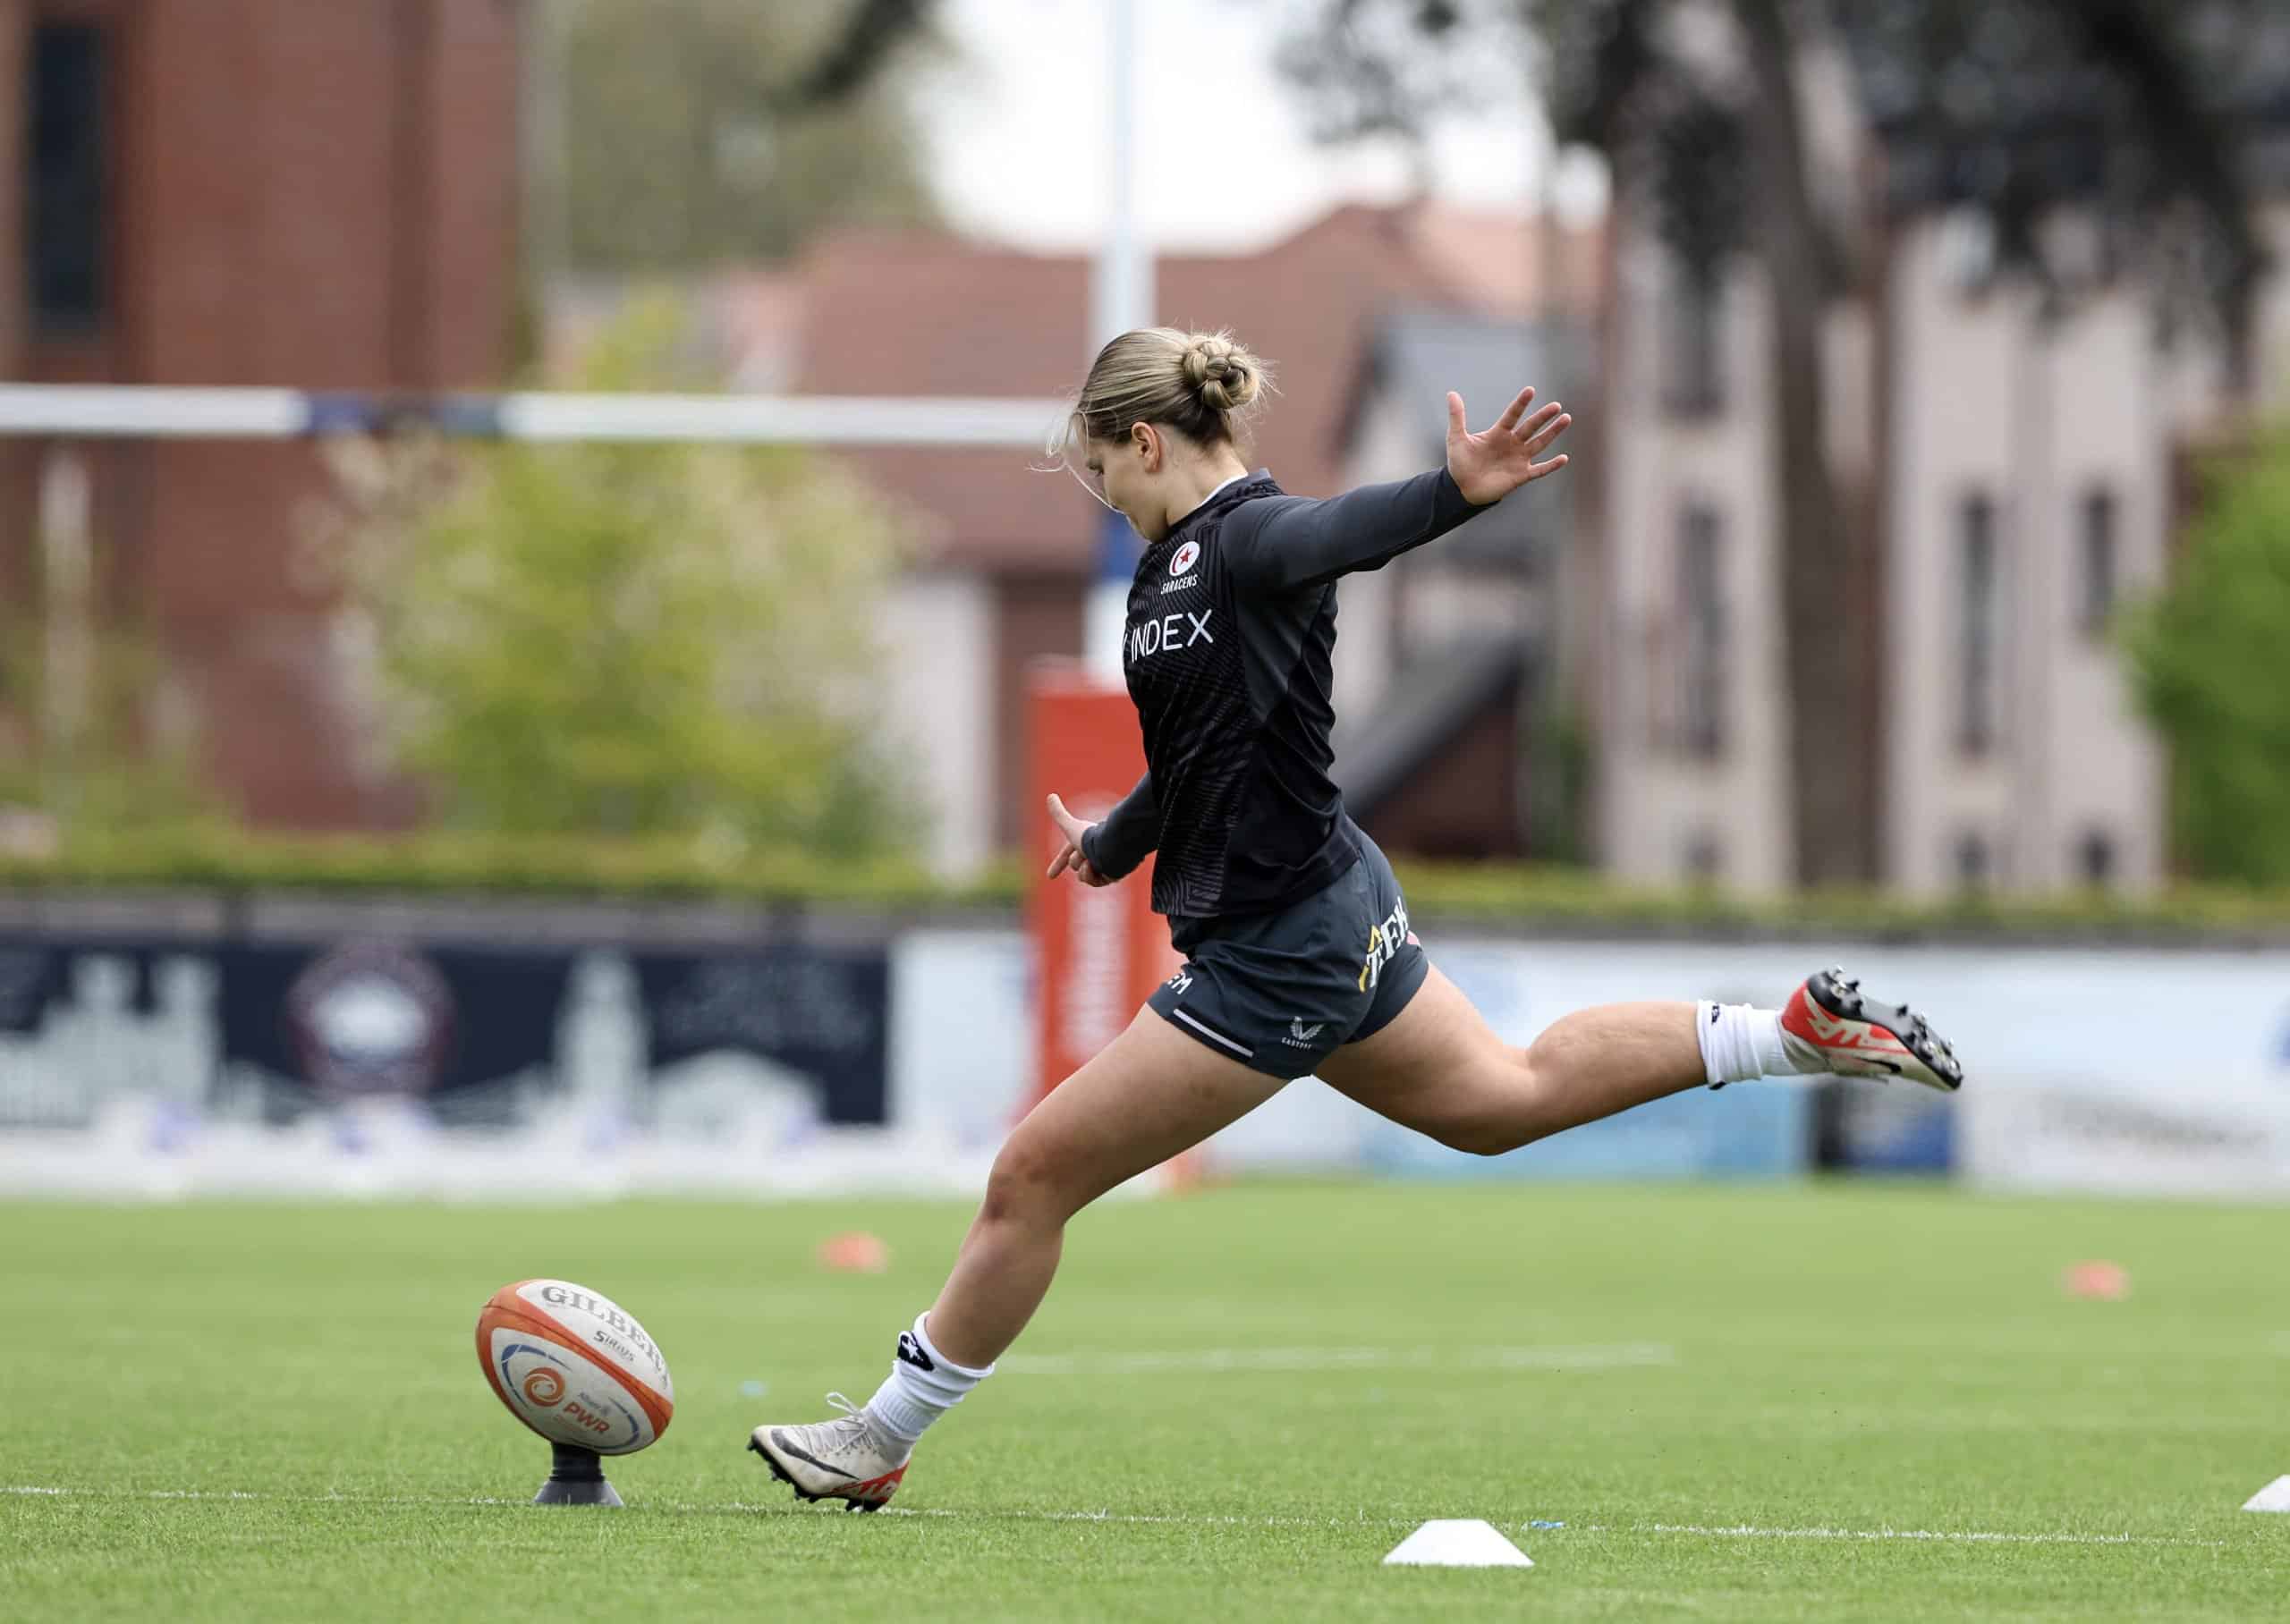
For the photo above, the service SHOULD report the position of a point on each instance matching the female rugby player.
(1298, 955)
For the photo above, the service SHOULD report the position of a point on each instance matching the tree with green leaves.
(2015, 107)
(679, 134)
(2205, 659)
(660, 640)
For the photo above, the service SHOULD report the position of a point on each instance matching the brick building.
(310, 193)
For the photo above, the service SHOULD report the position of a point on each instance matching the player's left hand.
(1488, 467)
(1070, 830)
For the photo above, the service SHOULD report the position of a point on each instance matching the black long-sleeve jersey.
(1227, 651)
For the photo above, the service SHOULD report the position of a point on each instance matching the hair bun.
(1225, 376)
(1201, 386)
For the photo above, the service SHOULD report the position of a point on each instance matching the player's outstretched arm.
(1284, 544)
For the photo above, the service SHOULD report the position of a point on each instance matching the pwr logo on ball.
(574, 1367)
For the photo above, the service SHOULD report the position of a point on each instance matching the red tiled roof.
(1512, 265)
(909, 313)
(893, 313)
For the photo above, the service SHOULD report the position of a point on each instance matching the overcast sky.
(1019, 130)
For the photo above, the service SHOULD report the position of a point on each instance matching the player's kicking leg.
(1152, 1094)
(1437, 1067)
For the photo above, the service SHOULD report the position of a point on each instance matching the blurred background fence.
(277, 1041)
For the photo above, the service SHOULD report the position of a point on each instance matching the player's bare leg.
(1153, 1094)
(1150, 1095)
(1439, 1069)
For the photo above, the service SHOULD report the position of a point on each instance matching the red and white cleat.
(852, 1460)
(1830, 1025)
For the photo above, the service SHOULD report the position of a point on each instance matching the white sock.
(1740, 1041)
(923, 1385)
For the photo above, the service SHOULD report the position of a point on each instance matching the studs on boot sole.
(780, 1472)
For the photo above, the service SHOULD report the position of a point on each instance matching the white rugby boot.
(851, 1460)
(1830, 1025)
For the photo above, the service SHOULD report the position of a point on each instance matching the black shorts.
(1280, 992)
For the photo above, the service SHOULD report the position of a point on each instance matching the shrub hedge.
(1514, 896)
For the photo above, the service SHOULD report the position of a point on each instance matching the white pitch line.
(728, 1508)
(1625, 1356)
(723, 1508)
(1966, 1535)
(1134, 1516)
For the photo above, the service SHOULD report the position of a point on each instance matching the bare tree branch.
(871, 34)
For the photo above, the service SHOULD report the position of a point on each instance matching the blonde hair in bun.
(1205, 385)
(1225, 376)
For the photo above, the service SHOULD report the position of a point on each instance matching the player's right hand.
(1071, 829)
(1488, 467)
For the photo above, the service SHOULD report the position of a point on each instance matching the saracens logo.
(1187, 555)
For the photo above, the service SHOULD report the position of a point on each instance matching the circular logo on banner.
(370, 1019)
(1187, 555)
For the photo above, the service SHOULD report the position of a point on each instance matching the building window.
(2095, 859)
(1694, 356)
(2095, 593)
(1980, 629)
(65, 161)
(1975, 865)
(1701, 607)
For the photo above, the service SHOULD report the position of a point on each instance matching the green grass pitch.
(1802, 1402)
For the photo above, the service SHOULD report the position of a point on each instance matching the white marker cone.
(1463, 1542)
(2274, 1497)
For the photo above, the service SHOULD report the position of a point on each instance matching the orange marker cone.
(855, 1252)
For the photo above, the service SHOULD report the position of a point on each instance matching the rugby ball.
(574, 1367)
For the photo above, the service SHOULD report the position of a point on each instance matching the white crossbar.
(110, 411)
(134, 412)
(782, 419)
